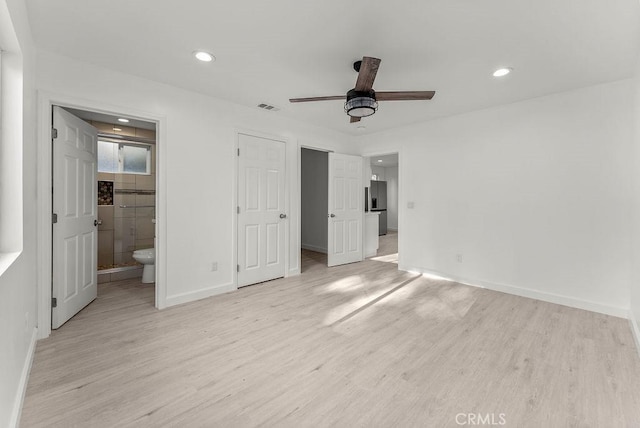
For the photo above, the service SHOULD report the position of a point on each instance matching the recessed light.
(379, 160)
(123, 120)
(204, 56)
(502, 72)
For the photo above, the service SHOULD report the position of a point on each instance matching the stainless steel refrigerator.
(379, 203)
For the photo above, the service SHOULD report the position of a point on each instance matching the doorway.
(314, 199)
(106, 197)
(383, 200)
(331, 208)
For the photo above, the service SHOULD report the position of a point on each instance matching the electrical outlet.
(459, 258)
(214, 266)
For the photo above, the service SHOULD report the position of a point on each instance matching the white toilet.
(148, 258)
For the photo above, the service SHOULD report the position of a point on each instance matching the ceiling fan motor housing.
(361, 103)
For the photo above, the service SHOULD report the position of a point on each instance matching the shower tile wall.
(124, 230)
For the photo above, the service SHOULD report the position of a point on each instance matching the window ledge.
(7, 259)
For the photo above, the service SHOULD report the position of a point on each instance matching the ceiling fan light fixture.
(361, 103)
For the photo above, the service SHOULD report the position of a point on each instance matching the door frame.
(287, 201)
(44, 187)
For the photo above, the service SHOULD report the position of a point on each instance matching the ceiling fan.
(362, 101)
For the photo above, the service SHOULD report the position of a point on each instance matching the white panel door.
(346, 211)
(75, 203)
(261, 210)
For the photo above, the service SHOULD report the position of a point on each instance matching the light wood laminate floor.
(361, 345)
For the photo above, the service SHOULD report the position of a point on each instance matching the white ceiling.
(385, 161)
(270, 51)
(107, 118)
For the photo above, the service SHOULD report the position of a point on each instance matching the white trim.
(203, 293)
(313, 248)
(558, 299)
(294, 271)
(293, 194)
(635, 330)
(46, 101)
(317, 149)
(24, 379)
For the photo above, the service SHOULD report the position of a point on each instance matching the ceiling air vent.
(268, 107)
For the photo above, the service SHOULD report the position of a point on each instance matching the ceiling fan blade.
(304, 100)
(354, 119)
(405, 95)
(367, 73)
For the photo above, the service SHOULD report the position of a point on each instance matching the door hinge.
(238, 152)
(54, 218)
(54, 302)
(237, 268)
(238, 210)
(54, 133)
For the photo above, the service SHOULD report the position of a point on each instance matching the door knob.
(332, 215)
(283, 216)
(95, 222)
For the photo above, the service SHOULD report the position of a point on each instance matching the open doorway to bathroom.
(125, 182)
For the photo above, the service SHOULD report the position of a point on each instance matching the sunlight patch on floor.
(357, 306)
(436, 277)
(389, 258)
(341, 311)
(400, 295)
(344, 285)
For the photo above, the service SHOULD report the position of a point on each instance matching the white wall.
(391, 177)
(635, 278)
(314, 192)
(200, 165)
(379, 171)
(534, 195)
(18, 282)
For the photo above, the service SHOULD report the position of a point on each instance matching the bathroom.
(126, 184)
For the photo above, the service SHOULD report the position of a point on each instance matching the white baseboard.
(571, 302)
(293, 272)
(313, 248)
(24, 380)
(635, 330)
(203, 293)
